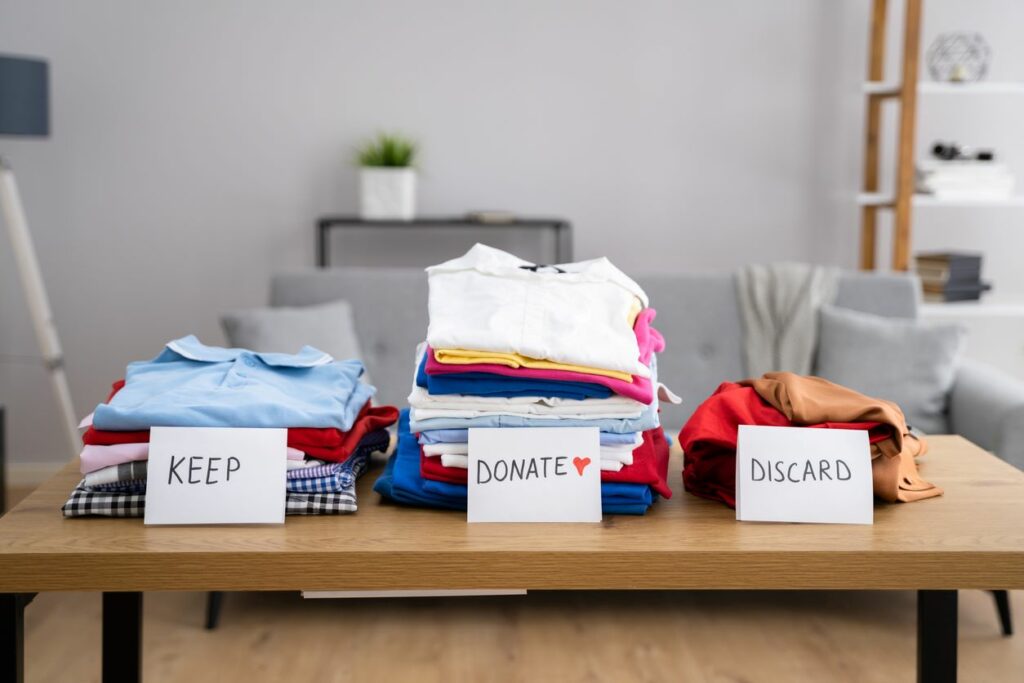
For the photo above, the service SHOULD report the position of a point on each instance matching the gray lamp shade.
(24, 96)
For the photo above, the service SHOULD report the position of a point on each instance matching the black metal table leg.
(214, 601)
(936, 636)
(12, 635)
(1002, 599)
(122, 637)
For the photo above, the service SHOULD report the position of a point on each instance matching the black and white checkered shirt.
(85, 503)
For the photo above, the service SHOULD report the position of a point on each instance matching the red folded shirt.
(431, 468)
(336, 445)
(708, 438)
(650, 466)
(326, 443)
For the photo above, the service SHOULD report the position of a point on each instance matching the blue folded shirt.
(401, 481)
(489, 384)
(193, 385)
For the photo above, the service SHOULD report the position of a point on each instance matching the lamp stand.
(38, 303)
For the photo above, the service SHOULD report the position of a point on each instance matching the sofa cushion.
(699, 316)
(910, 362)
(700, 320)
(389, 306)
(328, 327)
(893, 295)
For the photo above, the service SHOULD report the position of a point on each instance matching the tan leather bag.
(812, 400)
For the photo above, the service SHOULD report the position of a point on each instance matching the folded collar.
(491, 261)
(191, 348)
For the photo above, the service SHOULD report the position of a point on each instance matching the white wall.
(194, 144)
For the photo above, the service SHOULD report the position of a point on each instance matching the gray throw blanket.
(779, 306)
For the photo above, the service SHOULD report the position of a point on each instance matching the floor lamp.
(25, 111)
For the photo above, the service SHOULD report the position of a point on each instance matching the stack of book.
(965, 179)
(951, 276)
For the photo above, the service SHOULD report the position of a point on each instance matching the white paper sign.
(534, 475)
(793, 474)
(203, 475)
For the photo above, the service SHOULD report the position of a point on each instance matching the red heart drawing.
(581, 464)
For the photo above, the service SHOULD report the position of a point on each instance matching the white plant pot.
(387, 193)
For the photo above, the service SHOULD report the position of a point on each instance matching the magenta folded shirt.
(640, 389)
(95, 458)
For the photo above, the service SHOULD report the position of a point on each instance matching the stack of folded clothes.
(785, 399)
(332, 426)
(513, 344)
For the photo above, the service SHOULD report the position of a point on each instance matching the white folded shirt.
(445, 449)
(301, 464)
(425, 406)
(453, 460)
(573, 313)
(620, 454)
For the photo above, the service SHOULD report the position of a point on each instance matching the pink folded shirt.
(97, 457)
(648, 339)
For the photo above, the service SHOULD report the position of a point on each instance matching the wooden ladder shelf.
(906, 95)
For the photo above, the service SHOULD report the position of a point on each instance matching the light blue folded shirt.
(647, 420)
(436, 436)
(193, 385)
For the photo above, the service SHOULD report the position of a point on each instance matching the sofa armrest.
(987, 407)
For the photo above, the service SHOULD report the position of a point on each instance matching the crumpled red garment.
(708, 438)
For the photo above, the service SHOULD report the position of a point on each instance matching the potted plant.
(387, 179)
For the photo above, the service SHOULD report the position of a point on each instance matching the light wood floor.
(717, 636)
(721, 637)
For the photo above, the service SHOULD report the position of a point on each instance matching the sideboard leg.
(936, 636)
(321, 245)
(563, 243)
(122, 637)
(12, 635)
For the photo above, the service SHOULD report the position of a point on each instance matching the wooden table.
(972, 537)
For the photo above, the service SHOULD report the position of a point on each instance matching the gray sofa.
(699, 317)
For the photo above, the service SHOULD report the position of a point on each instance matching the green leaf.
(387, 150)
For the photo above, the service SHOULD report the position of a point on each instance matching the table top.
(972, 537)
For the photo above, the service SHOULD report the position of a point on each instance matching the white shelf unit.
(879, 199)
(936, 88)
(972, 309)
(904, 87)
(995, 329)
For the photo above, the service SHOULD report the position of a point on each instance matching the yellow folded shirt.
(515, 360)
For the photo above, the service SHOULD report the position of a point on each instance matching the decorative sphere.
(959, 57)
